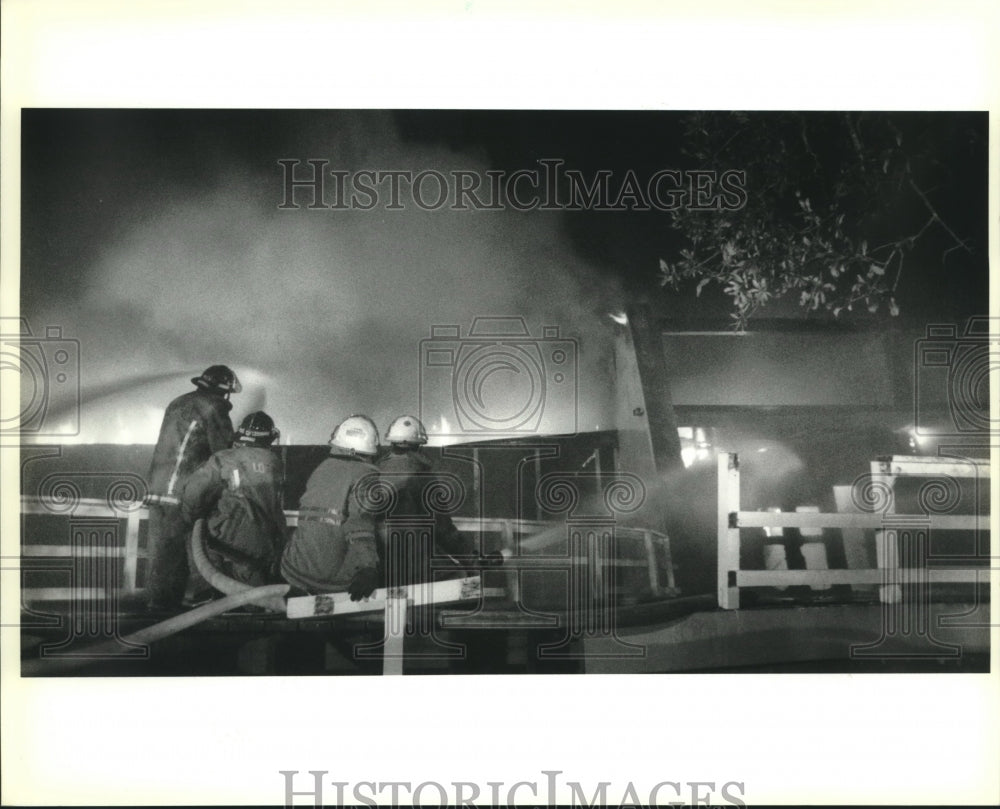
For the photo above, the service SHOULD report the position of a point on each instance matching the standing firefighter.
(333, 549)
(238, 490)
(194, 426)
(415, 530)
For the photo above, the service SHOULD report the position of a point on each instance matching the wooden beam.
(728, 535)
(395, 632)
(439, 592)
(931, 466)
(816, 519)
(892, 575)
(647, 338)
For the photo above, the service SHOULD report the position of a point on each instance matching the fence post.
(395, 633)
(729, 535)
(131, 550)
(886, 548)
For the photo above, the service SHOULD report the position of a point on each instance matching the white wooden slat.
(930, 466)
(439, 592)
(70, 551)
(131, 551)
(32, 594)
(395, 632)
(768, 578)
(789, 519)
(728, 537)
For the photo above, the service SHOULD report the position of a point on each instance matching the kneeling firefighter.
(238, 491)
(333, 549)
(414, 531)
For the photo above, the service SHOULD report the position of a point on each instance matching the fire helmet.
(257, 429)
(355, 435)
(218, 378)
(406, 430)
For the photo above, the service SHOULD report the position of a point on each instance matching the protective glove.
(364, 583)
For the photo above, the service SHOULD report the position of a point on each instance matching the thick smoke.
(321, 312)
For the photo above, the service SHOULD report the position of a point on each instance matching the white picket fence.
(890, 529)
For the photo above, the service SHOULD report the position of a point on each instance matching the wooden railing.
(85, 548)
(876, 494)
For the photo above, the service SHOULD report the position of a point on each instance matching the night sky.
(155, 238)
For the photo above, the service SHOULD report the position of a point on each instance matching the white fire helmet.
(406, 430)
(355, 435)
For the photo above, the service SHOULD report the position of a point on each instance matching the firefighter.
(414, 530)
(333, 548)
(195, 425)
(238, 490)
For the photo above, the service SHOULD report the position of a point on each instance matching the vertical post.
(661, 421)
(668, 561)
(856, 551)
(654, 579)
(513, 577)
(395, 630)
(813, 550)
(729, 536)
(775, 554)
(886, 547)
(131, 549)
(538, 477)
(475, 478)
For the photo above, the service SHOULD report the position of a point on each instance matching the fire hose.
(237, 593)
(223, 583)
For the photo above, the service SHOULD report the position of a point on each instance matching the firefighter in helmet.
(238, 491)
(333, 548)
(414, 529)
(195, 425)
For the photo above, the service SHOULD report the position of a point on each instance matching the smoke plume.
(320, 312)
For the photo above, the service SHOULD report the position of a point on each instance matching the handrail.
(133, 513)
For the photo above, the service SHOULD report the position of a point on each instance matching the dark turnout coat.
(335, 537)
(194, 426)
(238, 491)
(418, 525)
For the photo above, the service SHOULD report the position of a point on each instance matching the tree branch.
(934, 214)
